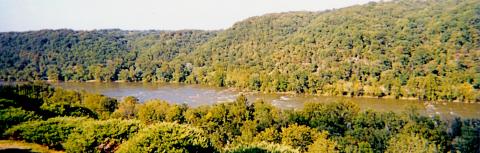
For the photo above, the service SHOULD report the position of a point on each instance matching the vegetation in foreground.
(423, 49)
(20, 146)
(83, 122)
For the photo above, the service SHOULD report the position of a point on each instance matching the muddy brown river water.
(196, 95)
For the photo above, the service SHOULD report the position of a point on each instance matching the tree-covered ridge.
(247, 41)
(413, 49)
(30, 55)
(424, 49)
(92, 55)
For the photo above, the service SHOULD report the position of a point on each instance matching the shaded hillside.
(88, 55)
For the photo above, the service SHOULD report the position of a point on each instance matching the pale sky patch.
(24, 15)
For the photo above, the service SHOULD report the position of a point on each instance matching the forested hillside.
(428, 50)
(104, 55)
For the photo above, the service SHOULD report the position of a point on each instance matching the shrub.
(101, 136)
(299, 136)
(6, 103)
(469, 139)
(52, 132)
(158, 111)
(168, 137)
(59, 109)
(333, 117)
(13, 116)
(262, 147)
(268, 135)
(102, 105)
(322, 144)
(410, 143)
(127, 109)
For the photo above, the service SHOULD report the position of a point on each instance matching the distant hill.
(415, 48)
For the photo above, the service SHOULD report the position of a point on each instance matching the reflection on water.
(195, 95)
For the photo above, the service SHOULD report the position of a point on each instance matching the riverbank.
(200, 95)
(247, 91)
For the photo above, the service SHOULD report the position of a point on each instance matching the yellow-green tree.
(127, 109)
(323, 144)
(410, 143)
(299, 136)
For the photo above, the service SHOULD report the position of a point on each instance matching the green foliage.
(322, 144)
(97, 55)
(127, 109)
(371, 131)
(48, 102)
(430, 129)
(102, 105)
(224, 121)
(265, 115)
(101, 136)
(238, 126)
(299, 136)
(339, 53)
(262, 147)
(410, 143)
(468, 136)
(332, 117)
(270, 135)
(52, 132)
(168, 137)
(385, 49)
(13, 116)
(159, 111)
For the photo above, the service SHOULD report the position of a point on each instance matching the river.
(196, 95)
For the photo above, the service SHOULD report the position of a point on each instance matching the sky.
(25, 15)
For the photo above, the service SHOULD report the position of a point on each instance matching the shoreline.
(246, 91)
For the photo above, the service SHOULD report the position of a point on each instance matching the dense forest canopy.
(414, 49)
(93, 55)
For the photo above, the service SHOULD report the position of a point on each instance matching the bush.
(333, 117)
(469, 139)
(52, 132)
(59, 109)
(322, 144)
(262, 147)
(6, 103)
(299, 136)
(168, 137)
(268, 135)
(101, 136)
(410, 143)
(102, 105)
(158, 111)
(13, 116)
(48, 102)
(127, 109)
